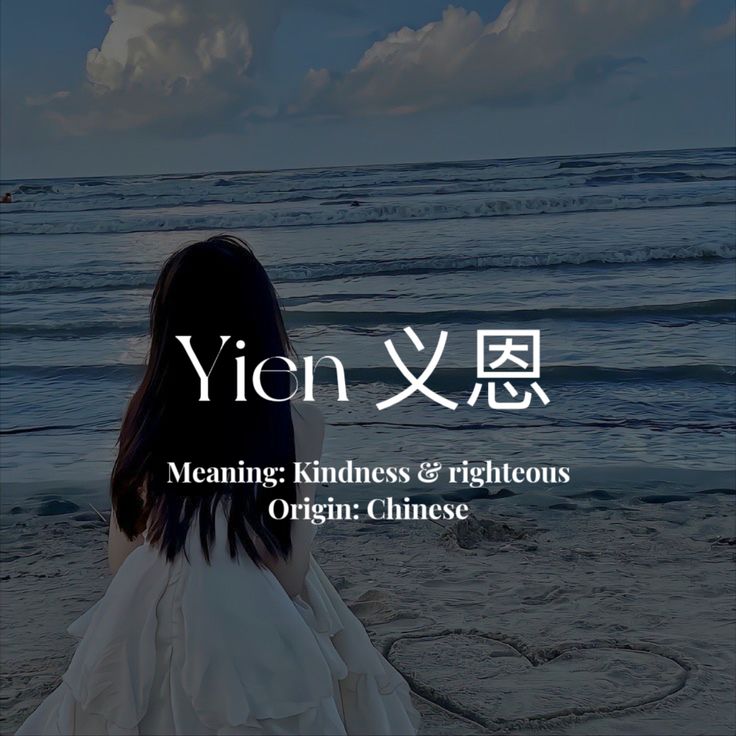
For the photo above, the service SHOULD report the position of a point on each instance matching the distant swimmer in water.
(7, 198)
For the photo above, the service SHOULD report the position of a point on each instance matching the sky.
(100, 87)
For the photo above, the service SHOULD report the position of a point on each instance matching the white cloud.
(535, 49)
(164, 60)
(161, 43)
(41, 100)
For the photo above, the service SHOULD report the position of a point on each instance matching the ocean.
(626, 263)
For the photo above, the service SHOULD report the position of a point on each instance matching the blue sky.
(184, 85)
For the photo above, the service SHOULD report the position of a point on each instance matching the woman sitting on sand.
(218, 620)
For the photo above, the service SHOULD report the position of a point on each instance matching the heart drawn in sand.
(495, 683)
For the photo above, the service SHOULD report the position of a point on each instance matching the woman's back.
(308, 436)
(218, 620)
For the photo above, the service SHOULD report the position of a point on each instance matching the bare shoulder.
(308, 413)
(309, 430)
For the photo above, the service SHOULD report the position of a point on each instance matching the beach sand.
(615, 617)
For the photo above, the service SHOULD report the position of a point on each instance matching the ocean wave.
(723, 308)
(116, 372)
(460, 379)
(16, 282)
(33, 189)
(110, 426)
(11, 224)
(646, 177)
(543, 176)
(584, 163)
(513, 421)
(449, 263)
(78, 329)
(442, 379)
(245, 193)
(714, 310)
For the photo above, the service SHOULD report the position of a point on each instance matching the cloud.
(41, 100)
(162, 61)
(162, 44)
(534, 50)
(725, 30)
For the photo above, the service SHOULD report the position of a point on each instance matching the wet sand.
(602, 617)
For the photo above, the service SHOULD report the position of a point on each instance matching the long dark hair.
(206, 290)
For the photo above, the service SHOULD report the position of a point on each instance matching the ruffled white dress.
(195, 648)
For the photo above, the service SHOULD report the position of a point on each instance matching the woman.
(218, 620)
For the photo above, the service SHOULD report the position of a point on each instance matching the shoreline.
(615, 620)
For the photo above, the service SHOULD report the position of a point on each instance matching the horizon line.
(185, 174)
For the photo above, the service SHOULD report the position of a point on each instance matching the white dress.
(195, 648)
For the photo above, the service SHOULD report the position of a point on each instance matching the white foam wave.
(43, 281)
(236, 219)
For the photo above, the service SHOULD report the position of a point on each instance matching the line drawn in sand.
(505, 684)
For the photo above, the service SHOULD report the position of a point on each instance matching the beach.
(609, 616)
